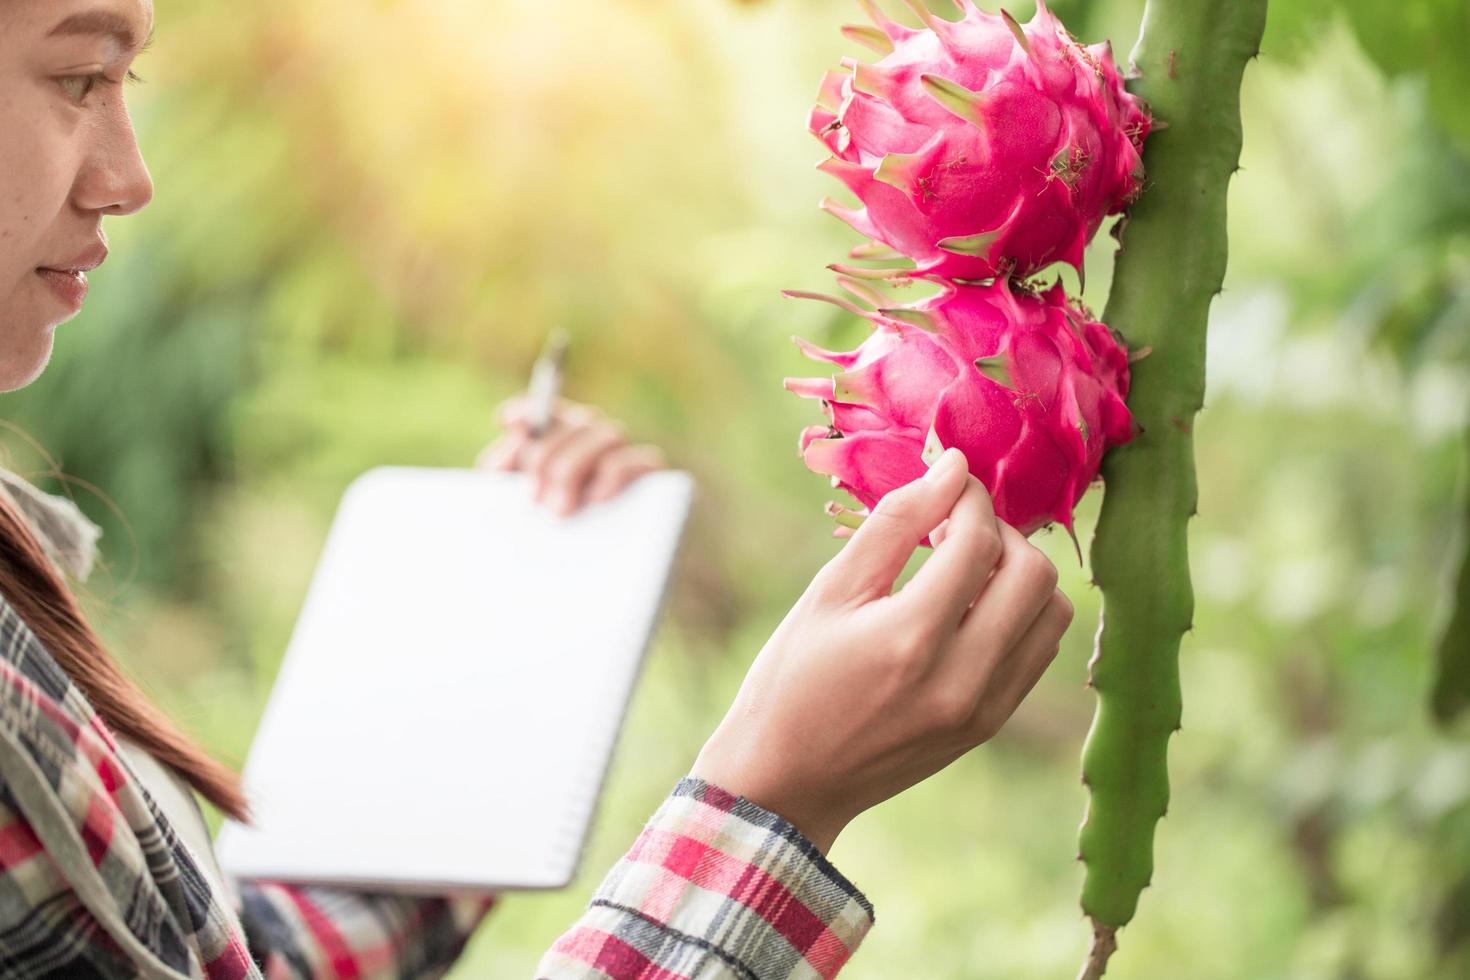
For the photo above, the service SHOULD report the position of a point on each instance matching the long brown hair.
(39, 594)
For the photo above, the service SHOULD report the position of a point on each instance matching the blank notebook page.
(450, 698)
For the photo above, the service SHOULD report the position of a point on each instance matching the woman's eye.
(78, 87)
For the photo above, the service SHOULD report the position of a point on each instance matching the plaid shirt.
(94, 882)
(715, 886)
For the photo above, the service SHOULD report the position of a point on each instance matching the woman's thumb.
(870, 563)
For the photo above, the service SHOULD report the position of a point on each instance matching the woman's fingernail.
(937, 535)
(946, 462)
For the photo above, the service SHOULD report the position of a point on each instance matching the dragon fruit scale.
(980, 147)
(1024, 382)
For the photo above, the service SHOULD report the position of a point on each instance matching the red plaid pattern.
(715, 886)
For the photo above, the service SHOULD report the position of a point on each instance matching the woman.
(105, 866)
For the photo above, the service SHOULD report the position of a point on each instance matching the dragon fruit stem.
(1451, 695)
(1192, 55)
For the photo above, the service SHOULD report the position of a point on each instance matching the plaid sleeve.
(299, 932)
(715, 886)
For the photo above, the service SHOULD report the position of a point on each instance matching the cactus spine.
(1191, 55)
(1452, 674)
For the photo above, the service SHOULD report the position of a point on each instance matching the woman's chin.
(25, 355)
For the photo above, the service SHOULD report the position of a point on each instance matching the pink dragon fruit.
(980, 147)
(1027, 384)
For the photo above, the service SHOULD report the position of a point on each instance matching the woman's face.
(68, 156)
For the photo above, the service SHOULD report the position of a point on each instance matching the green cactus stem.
(1191, 56)
(1452, 669)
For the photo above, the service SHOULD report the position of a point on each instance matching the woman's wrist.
(764, 782)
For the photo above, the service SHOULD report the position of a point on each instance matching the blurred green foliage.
(1426, 39)
(369, 214)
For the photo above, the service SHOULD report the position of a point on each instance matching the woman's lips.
(69, 286)
(68, 281)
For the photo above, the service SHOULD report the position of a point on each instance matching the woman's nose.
(114, 180)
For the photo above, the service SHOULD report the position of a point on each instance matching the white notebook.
(452, 692)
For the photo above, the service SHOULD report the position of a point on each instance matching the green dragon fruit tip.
(937, 24)
(836, 301)
(1016, 29)
(861, 290)
(845, 516)
(857, 272)
(994, 368)
(884, 23)
(969, 244)
(899, 170)
(868, 37)
(916, 318)
(964, 103)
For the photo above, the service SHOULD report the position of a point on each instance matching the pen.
(546, 382)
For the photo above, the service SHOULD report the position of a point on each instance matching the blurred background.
(368, 215)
